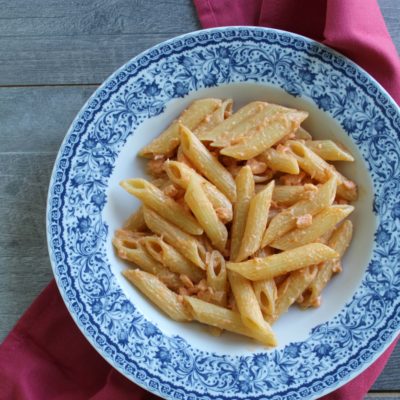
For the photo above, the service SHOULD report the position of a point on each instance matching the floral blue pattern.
(77, 233)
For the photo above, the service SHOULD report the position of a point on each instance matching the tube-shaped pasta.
(322, 223)
(249, 126)
(171, 258)
(220, 317)
(291, 289)
(164, 205)
(180, 174)
(207, 164)
(266, 294)
(302, 134)
(339, 241)
(158, 293)
(247, 304)
(245, 191)
(214, 119)
(168, 141)
(320, 170)
(233, 121)
(278, 264)
(187, 245)
(286, 220)
(202, 208)
(280, 126)
(256, 222)
(287, 195)
(217, 276)
(280, 161)
(135, 222)
(329, 150)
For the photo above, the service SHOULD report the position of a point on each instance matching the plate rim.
(354, 373)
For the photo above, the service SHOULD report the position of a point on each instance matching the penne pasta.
(339, 241)
(266, 294)
(278, 264)
(158, 293)
(180, 174)
(256, 222)
(187, 245)
(320, 170)
(291, 289)
(169, 140)
(217, 276)
(321, 223)
(248, 306)
(207, 164)
(171, 258)
(220, 317)
(245, 191)
(280, 126)
(302, 134)
(165, 206)
(249, 110)
(204, 212)
(286, 220)
(136, 221)
(214, 119)
(329, 150)
(287, 195)
(279, 160)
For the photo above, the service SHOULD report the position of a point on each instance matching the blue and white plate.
(319, 350)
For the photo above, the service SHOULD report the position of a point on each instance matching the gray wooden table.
(53, 55)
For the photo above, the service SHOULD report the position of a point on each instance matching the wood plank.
(95, 17)
(390, 376)
(24, 263)
(36, 119)
(382, 396)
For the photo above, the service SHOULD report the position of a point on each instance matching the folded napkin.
(45, 357)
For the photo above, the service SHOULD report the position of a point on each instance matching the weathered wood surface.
(64, 49)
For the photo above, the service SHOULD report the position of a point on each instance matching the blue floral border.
(93, 143)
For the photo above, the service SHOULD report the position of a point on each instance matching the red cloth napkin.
(45, 357)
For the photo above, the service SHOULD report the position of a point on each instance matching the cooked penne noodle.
(245, 191)
(278, 264)
(158, 293)
(266, 294)
(248, 306)
(220, 317)
(180, 174)
(249, 126)
(329, 150)
(217, 276)
(287, 195)
(166, 255)
(339, 241)
(286, 220)
(165, 206)
(233, 121)
(291, 289)
(256, 222)
(207, 164)
(279, 160)
(136, 221)
(302, 134)
(187, 245)
(214, 119)
(320, 170)
(169, 140)
(204, 212)
(280, 126)
(180, 157)
(321, 223)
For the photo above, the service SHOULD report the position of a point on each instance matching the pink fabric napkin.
(45, 357)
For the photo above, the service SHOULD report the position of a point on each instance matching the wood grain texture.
(79, 42)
